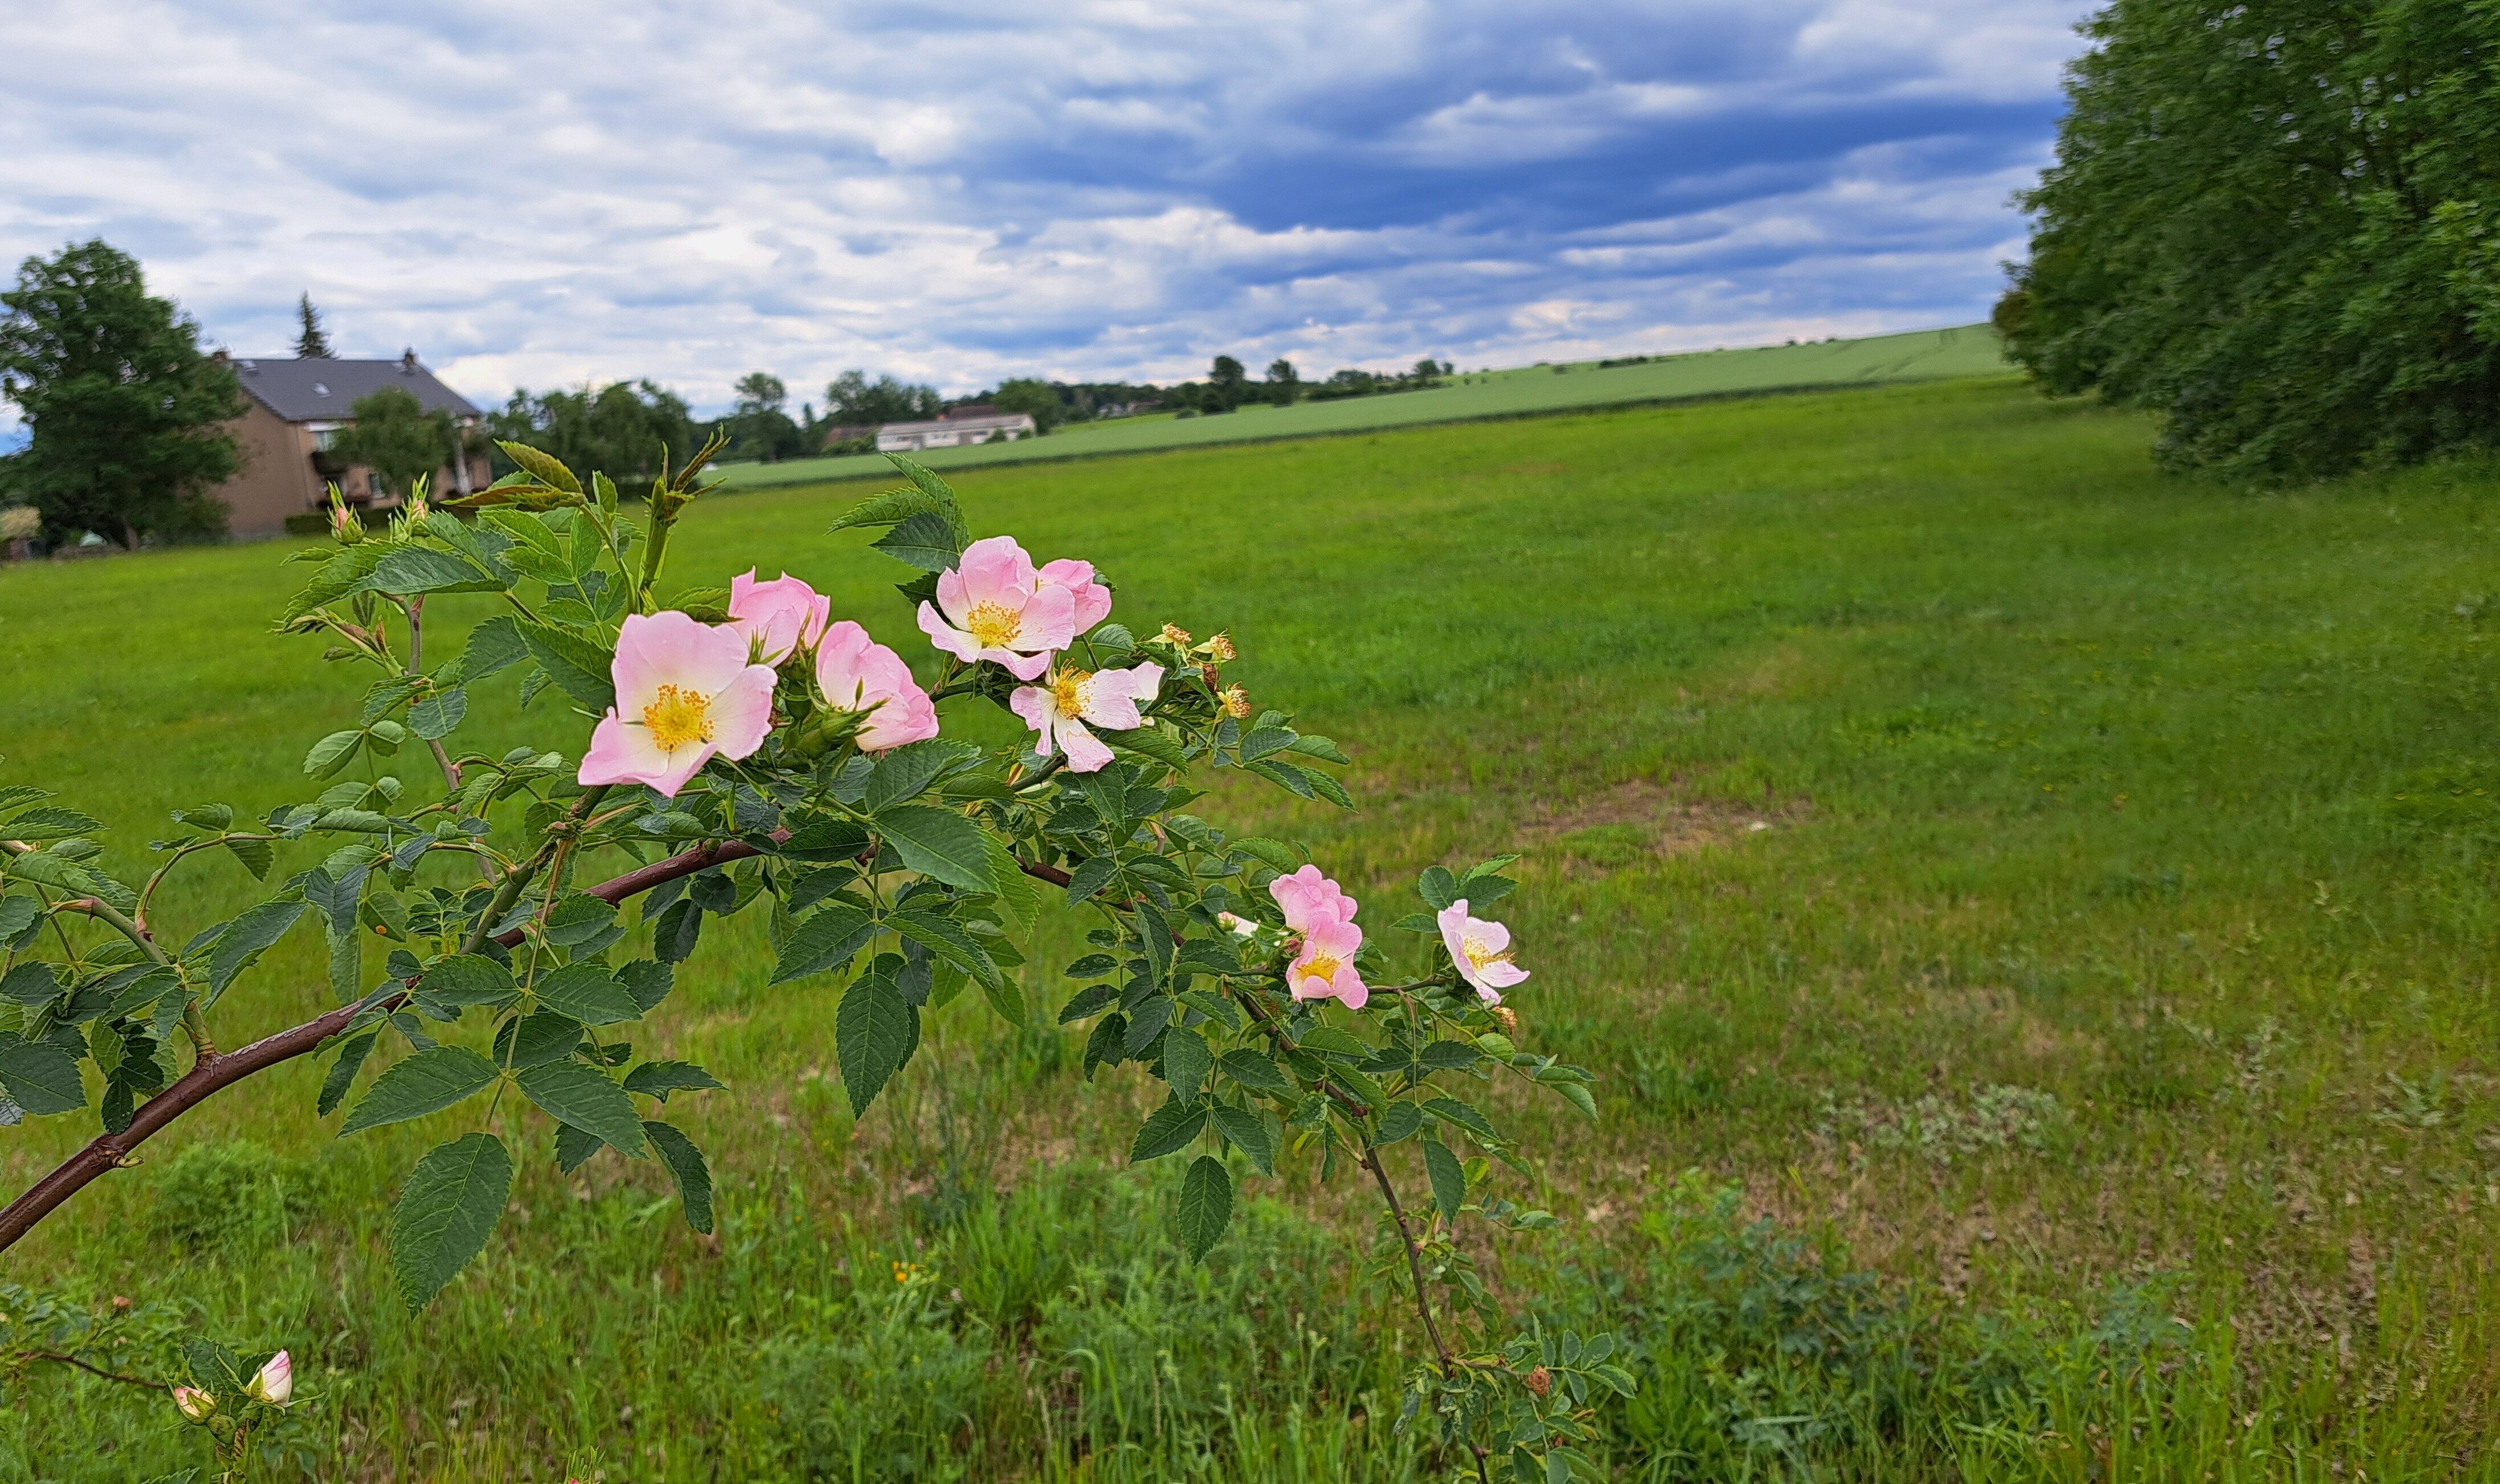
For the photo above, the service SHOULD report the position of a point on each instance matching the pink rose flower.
(1325, 968)
(1310, 900)
(1481, 950)
(1093, 599)
(1061, 711)
(686, 691)
(994, 605)
(777, 618)
(857, 673)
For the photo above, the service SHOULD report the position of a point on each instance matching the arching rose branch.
(744, 749)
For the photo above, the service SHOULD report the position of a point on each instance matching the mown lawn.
(2034, 915)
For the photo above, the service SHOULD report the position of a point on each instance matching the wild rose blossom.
(777, 618)
(1310, 900)
(1481, 950)
(195, 1403)
(685, 692)
(274, 1382)
(857, 673)
(1325, 968)
(993, 605)
(1093, 599)
(1061, 712)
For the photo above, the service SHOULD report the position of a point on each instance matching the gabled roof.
(961, 424)
(310, 390)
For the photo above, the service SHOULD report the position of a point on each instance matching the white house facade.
(954, 431)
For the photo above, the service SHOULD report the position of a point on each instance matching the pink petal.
(1024, 667)
(1502, 974)
(1086, 752)
(1039, 708)
(1049, 620)
(1351, 991)
(955, 642)
(1493, 935)
(1452, 919)
(742, 712)
(909, 717)
(994, 571)
(620, 753)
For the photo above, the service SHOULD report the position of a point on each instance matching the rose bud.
(195, 1403)
(275, 1381)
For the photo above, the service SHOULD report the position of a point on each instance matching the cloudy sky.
(564, 191)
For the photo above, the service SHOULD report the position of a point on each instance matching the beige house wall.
(276, 478)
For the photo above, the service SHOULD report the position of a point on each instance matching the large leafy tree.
(2276, 224)
(1032, 396)
(129, 416)
(756, 426)
(626, 427)
(396, 437)
(851, 399)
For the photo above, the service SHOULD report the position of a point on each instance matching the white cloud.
(570, 192)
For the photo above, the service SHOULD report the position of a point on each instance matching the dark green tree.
(1227, 384)
(758, 428)
(395, 438)
(1284, 382)
(621, 429)
(310, 342)
(1025, 394)
(128, 416)
(852, 400)
(2275, 223)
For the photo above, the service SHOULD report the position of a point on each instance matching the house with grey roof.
(296, 408)
(955, 430)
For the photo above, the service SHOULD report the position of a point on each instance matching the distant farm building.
(297, 409)
(955, 431)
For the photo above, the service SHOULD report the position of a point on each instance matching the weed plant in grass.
(2047, 901)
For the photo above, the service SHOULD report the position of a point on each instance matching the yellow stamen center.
(1480, 953)
(993, 627)
(1067, 692)
(1323, 968)
(679, 718)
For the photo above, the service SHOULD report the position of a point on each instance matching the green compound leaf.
(1186, 1059)
(686, 1164)
(1205, 1205)
(1246, 1132)
(446, 1213)
(874, 1031)
(588, 993)
(1167, 1129)
(577, 667)
(574, 1093)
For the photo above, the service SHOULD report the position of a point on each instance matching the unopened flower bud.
(1175, 636)
(1231, 924)
(1540, 1381)
(275, 1381)
(195, 1405)
(344, 522)
(1219, 649)
(1235, 700)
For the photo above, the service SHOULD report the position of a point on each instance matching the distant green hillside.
(1919, 356)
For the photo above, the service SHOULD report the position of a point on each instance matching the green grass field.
(2033, 914)
(1920, 355)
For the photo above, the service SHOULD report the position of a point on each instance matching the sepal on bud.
(195, 1405)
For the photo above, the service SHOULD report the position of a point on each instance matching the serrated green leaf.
(331, 753)
(32, 983)
(343, 1073)
(411, 570)
(1246, 1132)
(1152, 742)
(1326, 786)
(1254, 1072)
(1452, 1112)
(1205, 1205)
(1437, 887)
(574, 1093)
(1091, 876)
(686, 1165)
(542, 465)
(427, 1082)
(1274, 855)
(1400, 1122)
(1167, 1129)
(874, 1031)
(1263, 741)
(470, 979)
(590, 993)
(904, 773)
(658, 1080)
(256, 855)
(494, 647)
(574, 1147)
(1186, 1060)
(540, 1038)
(1448, 1176)
(37, 825)
(827, 941)
(578, 918)
(577, 667)
(41, 1077)
(939, 844)
(926, 540)
(439, 714)
(446, 1213)
(246, 938)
